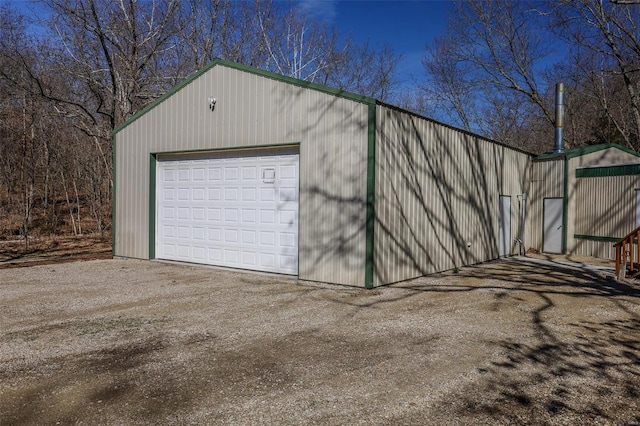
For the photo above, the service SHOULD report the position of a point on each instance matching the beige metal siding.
(605, 207)
(547, 181)
(604, 157)
(600, 249)
(438, 189)
(253, 110)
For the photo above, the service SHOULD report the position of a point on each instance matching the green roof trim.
(457, 129)
(614, 170)
(583, 150)
(596, 238)
(256, 71)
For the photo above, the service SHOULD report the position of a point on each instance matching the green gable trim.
(152, 206)
(583, 150)
(113, 197)
(296, 81)
(252, 70)
(596, 238)
(619, 170)
(371, 194)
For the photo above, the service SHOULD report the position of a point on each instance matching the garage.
(243, 168)
(232, 209)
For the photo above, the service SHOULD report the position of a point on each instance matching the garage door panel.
(197, 194)
(287, 217)
(214, 214)
(198, 213)
(231, 216)
(198, 234)
(249, 216)
(267, 216)
(183, 252)
(233, 211)
(183, 213)
(249, 194)
(183, 175)
(230, 174)
(248, 237)
(267, 194)
(198, 174)
(267, 260)
(249, 173)
(215, 256)
(199, 253)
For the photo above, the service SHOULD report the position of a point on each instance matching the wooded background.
(73, 70)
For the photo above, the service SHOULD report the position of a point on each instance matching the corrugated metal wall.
(253, 110)
(605, 207)
(603, 157)
(438, 189)
(547, 181)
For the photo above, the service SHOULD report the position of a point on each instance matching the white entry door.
(504, 227)
(237, 211)
(552, 226)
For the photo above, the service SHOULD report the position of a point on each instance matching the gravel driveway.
(137, 342)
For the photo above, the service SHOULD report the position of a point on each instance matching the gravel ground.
(136, 342)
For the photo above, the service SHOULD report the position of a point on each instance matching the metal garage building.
(243, 168)
(583, 200)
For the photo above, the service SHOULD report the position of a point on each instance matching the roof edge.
(466, 132)
(584, 150)
(252, 70)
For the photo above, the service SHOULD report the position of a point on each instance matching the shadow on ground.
(574, 370)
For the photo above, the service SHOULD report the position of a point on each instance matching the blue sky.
(406, 25)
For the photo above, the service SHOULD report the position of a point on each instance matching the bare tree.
(94, 64)
(279, 37)
(113, 50)
(487, 65)
(365, 69)
(494, 70)
(608, 35)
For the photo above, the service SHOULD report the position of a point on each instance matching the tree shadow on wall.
(436, 206)
(437, 198)
(605, 206)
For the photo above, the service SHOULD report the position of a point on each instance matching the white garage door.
(235, 211)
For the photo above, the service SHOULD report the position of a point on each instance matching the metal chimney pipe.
(559, 133)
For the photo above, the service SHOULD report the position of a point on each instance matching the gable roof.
(267, 74)
(582, 150)
(300, 83)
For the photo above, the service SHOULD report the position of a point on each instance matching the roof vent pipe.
(559, 145)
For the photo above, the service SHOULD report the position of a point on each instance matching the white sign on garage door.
(240, 211)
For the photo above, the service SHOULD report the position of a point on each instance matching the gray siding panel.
(251, 111)
(438, 189)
